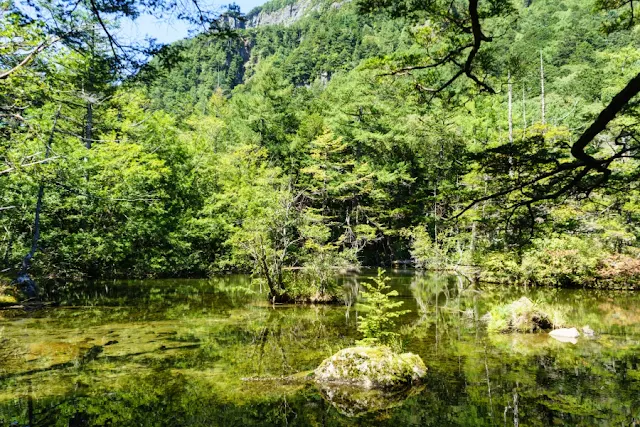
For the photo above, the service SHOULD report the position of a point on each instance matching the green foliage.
(551, 261)
(451, 251)
(268, 233)
(323, 258)
(308, 147)
(377, 325)
(562, 260)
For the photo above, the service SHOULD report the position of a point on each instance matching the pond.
(211, 352)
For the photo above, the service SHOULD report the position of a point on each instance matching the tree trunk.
(277, 294)
(510, 114)
(510, 110)
(542, 105)
(88, 129)
(524, 113)
(26, 284)
(7, 252)
(435, 212)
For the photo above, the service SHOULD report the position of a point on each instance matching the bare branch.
(9, 170)
(600, 123)
(448, 58)
(113, 43)
(42, 46)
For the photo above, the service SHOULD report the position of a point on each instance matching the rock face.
(288, 14)
(285, 16)
(371, 367)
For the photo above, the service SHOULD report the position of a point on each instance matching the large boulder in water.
(522, 315)
(371, 367)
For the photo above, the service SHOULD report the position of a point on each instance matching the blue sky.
(170, 31)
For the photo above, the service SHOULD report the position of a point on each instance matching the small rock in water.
(565, 333)
(588, 331)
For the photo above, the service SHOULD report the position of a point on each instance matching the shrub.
(7, 293)
(376, 326)
(552, 261)
(566, 260)
(450, 251)
(619, 270)
(501, 267)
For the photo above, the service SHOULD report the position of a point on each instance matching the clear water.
(211, 353)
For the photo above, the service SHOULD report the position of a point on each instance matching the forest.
(495, 138)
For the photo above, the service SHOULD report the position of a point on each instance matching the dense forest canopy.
(494, 134)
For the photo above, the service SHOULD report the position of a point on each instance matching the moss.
(7, 294)
(7, 299)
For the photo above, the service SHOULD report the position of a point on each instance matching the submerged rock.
(588, 331)
(371, 367)
(522, 315)
(565, 339)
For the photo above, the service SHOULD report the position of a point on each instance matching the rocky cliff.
(288, 14)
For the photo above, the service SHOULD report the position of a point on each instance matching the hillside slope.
(310, 39)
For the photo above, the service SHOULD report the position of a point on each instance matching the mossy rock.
(371, 367)
(522, 315)
(7, 294)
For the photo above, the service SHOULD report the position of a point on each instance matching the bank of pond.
(214, 352)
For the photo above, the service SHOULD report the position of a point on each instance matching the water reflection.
(352, 401)
(175, 352)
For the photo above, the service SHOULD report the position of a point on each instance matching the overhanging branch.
(42, 46)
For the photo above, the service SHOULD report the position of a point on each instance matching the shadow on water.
(175, 353)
